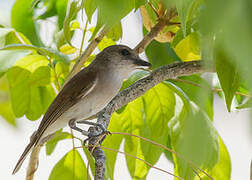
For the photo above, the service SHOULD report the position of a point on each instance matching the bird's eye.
(125, 52)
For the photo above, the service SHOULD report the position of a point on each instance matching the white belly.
(88, 106)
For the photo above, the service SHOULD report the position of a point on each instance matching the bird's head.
(122, 57)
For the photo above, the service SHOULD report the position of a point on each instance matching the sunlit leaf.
(43, 51)
(26, 98)
(222, 170)
(22, 20)
(188, 49)
(51, 144)
(8, 58)
(105, 42)
(5, 105)
(71, 166)
(67, 49)
(113, 142)
(115, 32)
(196, 140)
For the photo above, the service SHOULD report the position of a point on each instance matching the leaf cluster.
(176, 113)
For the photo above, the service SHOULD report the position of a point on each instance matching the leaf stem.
(213, 89)
(166, 148)
(83, 38)
(130, 155)
(55, 75)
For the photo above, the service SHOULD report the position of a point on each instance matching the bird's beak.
(140, 62)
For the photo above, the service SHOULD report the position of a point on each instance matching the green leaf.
(71, 166)
(220, 27)
(7, 113)
(26, 98)
(22, 20)
(61, 7)
(201, 150)
(3, 34)
(5, 105)
(247, 104)
(90, 7)
(50, 9)
(43, 51)
(197, 90)
(222, 170)
(159, 107)
(72, 11)
(133, 78)
(228, 76)
(115, 32)
(8, 58)
(41, 76)
(47, 94)
(110, 12)
(188, 49)
(113, 142)
(51, 144)
(160, 54)
(139, 3)
(105, 42)
(183, 7)
(144, 117)
(132, 121)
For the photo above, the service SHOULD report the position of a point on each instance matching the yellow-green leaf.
(71, 166)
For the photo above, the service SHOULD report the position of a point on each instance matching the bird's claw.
(90, 136)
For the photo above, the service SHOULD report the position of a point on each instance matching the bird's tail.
(28, 148)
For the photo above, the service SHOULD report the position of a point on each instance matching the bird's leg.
(72, 124)
(104, 131)
(93, 124)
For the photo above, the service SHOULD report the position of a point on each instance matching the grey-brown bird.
(87, 93)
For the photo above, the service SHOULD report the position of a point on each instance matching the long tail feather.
(23, 156)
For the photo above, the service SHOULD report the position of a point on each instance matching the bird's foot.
(91, 135)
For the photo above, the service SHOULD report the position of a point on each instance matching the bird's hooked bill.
(140, 62)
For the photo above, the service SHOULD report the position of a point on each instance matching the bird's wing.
(78, 87)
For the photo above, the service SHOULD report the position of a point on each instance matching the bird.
(86, 94)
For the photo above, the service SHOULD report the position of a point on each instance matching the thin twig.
(34, 158)
(33, 163)
(84, 57)
(213, 89)
(151, 35)
(130, 155)
(73, 144)
(153, 9)
(83, 37)
(166, 148)
(55, 75)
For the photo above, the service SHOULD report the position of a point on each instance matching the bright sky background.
(234, 128)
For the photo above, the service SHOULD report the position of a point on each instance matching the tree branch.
(151, 35)
(33, 163)
(137, 89)
(84, 57)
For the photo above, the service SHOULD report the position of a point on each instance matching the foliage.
(176, 113)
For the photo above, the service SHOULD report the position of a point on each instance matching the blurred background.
(234, 127)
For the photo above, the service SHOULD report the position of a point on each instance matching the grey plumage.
(86, 93)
